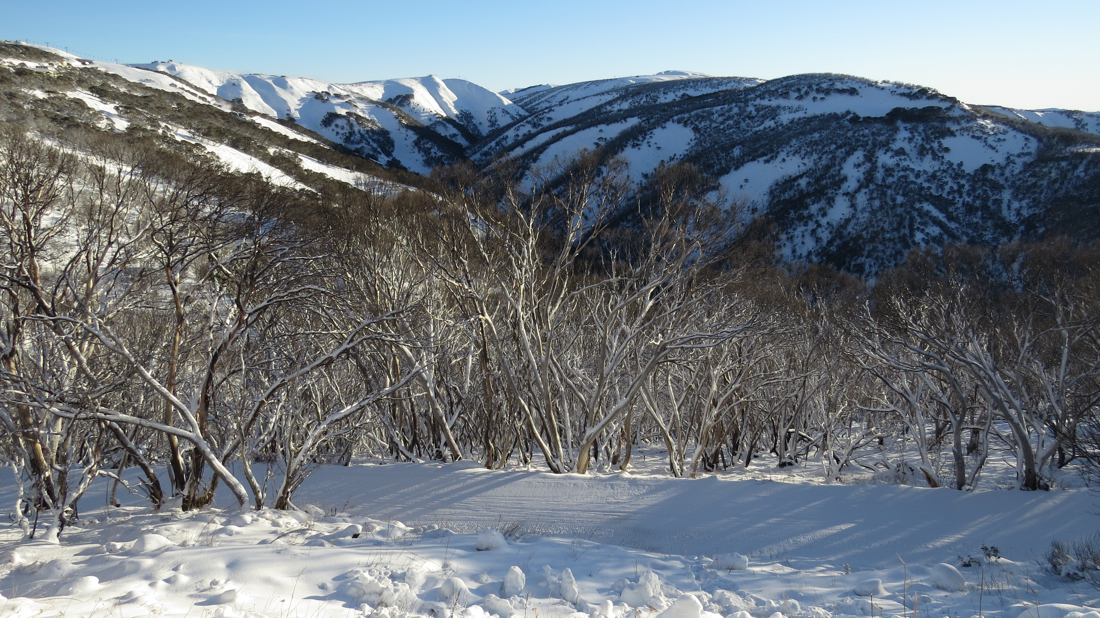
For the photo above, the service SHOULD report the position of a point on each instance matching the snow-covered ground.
(440, 540)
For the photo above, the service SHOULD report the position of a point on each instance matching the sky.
(1028, 55)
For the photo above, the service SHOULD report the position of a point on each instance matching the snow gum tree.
(35, 182)
(578, 318)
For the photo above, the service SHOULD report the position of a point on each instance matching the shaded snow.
(579, 546)
(865, 525)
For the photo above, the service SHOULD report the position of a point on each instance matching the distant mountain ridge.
(417, 123)
(852, 172)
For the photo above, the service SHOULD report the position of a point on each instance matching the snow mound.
(514, 582)
(376, 589)
(150, 543)
(731, 562)
(81, 587)
(497, 606)
(1056, 610)
(55, 569)
(687, 606)
(454, 591)
(946, 577)
(490, 539)
(786, 607)
(647, 592)
(870, 588)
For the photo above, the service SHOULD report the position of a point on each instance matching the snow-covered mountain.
(51, 87)
(854, 172)
(417, 123)
(1055, 118)
(851, 171)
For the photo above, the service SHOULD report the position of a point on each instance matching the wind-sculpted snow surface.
(811, 551)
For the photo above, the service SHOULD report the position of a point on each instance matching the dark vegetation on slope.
(894, 174)
(859, 194)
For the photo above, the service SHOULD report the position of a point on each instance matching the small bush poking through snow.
(1077, 561)
(1060, 561)
(512, 531)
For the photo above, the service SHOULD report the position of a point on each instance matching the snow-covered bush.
(731, 562)
(514, 582)
(490, 539)
(947, 578)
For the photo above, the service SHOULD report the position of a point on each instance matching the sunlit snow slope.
(415, 122)
(64, 89)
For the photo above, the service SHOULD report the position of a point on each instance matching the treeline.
(160, 313)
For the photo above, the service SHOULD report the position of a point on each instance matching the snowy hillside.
(417, 123)
(574, 98)
(58, 87)
(1088, 122)
(854, 172)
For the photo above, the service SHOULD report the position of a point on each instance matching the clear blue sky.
(1021, 54)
